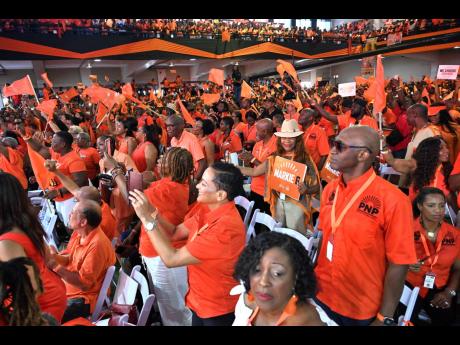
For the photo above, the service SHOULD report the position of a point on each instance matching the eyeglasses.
(341, 146)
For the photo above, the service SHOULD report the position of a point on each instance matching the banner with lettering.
(286, 175)
(327, 173)
(347, 89)
(447, 72)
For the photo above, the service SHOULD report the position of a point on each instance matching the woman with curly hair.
(450, 130)
(429, 167)
(124, 131)
(279, 280)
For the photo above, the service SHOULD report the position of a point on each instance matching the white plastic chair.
(248, 206)
(451, 213)
(297, 235)
(147, 298)
(313, 245)
(102, 297)
(260, 218)
(408, 298)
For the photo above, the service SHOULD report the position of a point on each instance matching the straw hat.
(289, 129)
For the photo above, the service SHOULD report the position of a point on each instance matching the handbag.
(116, 311)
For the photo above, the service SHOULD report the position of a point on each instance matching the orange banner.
(327, 173)
(286, 175)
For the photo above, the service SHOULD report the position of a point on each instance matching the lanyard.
(335, 224)
(436, 176)
(427, 251)
(261, 153)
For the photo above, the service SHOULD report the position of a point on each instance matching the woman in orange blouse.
(146, 153)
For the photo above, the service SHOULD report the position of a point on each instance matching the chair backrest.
(261, 218)
(125, 292)
(314, 246)
(248, 206)
(297, 235)
(147, 298)
(101, 298)
(408, 298)
(451, 213)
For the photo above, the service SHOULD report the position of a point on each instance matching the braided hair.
(178, 164)
(18, 304)
(427, 157)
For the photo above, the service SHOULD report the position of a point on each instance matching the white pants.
(63, 209)
(170, 286)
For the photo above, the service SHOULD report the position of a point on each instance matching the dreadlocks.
(177, 164)
(18, 304)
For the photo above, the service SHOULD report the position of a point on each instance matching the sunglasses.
(341, 146)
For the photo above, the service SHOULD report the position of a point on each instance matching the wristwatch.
(452, 292)
(387, 321)
(153, 224)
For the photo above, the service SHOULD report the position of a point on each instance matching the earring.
(250, 296)
(291, 307)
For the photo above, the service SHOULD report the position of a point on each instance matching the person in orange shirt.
(291, 111)
(124, 131)
(12, 163)
(227, 139)
(180, 138)
(146, 153)
(238, 125)
(314, 137)
(89, 155)
(215, 238)
(448, 128)
(250, 131)
(367, 243)
(264, 147)
(202, 130)
(437, 244)
(83, 264)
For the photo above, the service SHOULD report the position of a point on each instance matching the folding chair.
(297, 235)
(313, 245)
(102, 297)
(248, 206)
(408, 298)
(147, 298)
(451, 213)
(260, 218)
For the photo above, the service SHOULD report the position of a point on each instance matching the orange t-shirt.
(191, 143)
(455, 171)
(91, 158)
(449, 236)
(261, 152)
(171, 200)
(240, 127)
(14, 166)
(91, 258)
(249, 134)
(316, 142)
(108, 224)
(376, 230)
(327, 125)
(232, 143)
(348, 121)
(68, 164)
(216, 238)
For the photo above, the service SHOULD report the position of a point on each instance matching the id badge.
(329, 249)
(282, 196)
(429, 280)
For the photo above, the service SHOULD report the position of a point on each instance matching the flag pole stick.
(380, 128)
(35, 94)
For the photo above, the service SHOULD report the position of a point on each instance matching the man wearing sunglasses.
(367, 242)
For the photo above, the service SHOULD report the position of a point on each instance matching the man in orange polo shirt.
(314, 137)
(264, 147)
(88, 154)
(291, 111)
(227, 139)
(84, 263)
(180, 138)
(367, 243)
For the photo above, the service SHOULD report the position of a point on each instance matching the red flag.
(288, 68)
(246, 90)
(380, 96)
(102, 94)
(185, 114)
(216, 76)
(37, 162)
(48, 107)
(68, 95)
(46, 80)
(210, 98)
(19, 87)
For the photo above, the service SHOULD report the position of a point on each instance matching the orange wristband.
(380, 317)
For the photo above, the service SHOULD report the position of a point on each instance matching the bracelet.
(253, 159)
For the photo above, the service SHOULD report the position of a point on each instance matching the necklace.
(430, 233)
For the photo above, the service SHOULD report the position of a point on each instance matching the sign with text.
(347, 89)
(328, 174)
(447, 72)
(286, 175)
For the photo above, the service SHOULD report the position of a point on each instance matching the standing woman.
(291, 213)
(124, 131)
(215, 238)
(146, 153)
(202, 130)
(437, 245)
(21, 235)
(450, 130)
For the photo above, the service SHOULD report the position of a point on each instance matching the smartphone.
(134, 181)
(108, 147)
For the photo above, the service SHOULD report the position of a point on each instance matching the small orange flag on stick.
(380, 96)
(286, 66)
(68, 95)
(246, 90)
(37, 162)
(210, 98)
(185, 114)
(46, 80)
(19, 87)
(360, 80)
(48, 107)
(216, 76)
(101, 111)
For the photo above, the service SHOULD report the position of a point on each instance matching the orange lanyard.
(335, 224)
(427, 251)
(261, 153)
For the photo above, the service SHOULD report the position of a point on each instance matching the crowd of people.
(152, 173)
(357, 31)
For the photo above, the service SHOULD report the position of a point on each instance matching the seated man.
(83, 264)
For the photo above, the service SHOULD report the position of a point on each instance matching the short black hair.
(238, 115)
(252, 114)
(229, 179)
(305, 279)
(228, 121)
(92, 215)
(66, 137)
(208, 126)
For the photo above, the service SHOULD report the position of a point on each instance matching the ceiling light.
(97, 60)
(457, 47)
(89, 66)
(236, 63)
(171, 64)
(192, 59)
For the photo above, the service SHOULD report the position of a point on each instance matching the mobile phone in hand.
(108, 147)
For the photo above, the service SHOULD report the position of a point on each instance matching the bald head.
(266, 124)
(364, 136)
(89, 193)
(175, 120)
(264, 129)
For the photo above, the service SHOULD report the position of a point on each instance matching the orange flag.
(280, 69)
(369, 94)
(46, 80)
(360, 80)
(127, 90)
(37, 162)
(185, 114)
(246, 90)
(216, 76)
(19, 87)
(288, 68)
(210, 98)
(297, 102)
(153, 97)
(68, 95)
(101, 111)
(48, 107)
(380, 97)
(226, 36)
(427, 95)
